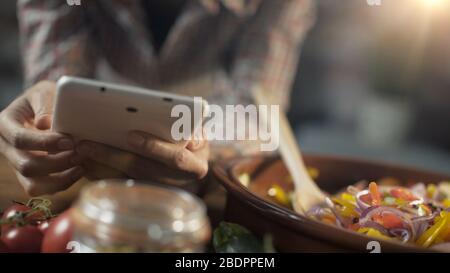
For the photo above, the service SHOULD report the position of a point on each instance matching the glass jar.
(126, 216)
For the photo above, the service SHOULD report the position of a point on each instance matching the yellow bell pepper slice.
(374, 233)
(348, 197)
(313, 173)
(431, 190)
(400, 202)
(431, 234)
(446, 203)
(363, 230)
(348, 212)
(348, 209)
(445, 236)
(279, 195)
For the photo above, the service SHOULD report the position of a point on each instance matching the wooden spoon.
(307, 193)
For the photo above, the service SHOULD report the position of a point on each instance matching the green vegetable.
(233, 238)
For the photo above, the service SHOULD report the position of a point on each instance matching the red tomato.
(404, 194)
(3, 247)
(388, 220)
(366, 198)
(58, 234)
(26, 239)
(10, 212)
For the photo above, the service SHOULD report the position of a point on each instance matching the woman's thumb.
(42, 103)
(43, 121)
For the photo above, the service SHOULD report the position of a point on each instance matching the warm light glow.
(434, 6)
(432, 3)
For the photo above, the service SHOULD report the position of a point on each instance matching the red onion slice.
(361, 204)
(317, 212)
(375, 225)
(404, 234)
(421, 223)
(367, 211)
(366, 217)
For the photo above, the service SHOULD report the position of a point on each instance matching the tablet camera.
(132, 109)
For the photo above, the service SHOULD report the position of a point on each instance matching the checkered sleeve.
(55, 40)
(268, 50)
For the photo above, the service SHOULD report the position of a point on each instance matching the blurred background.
(10, 65)
(373, 81)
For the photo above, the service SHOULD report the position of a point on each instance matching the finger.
(31, 139)
(198, 142)
(32, 164)
(105, 154)
(43, 122)
(202, 153)
(51, 184)
(131, 164)
(173, 155)
(22, 111)
(42, 101)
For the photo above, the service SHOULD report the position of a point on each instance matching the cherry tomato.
(10, 212)
(31, 218)
(26, 239)
(3, 247)
(58, 234)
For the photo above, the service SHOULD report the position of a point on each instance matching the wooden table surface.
(10, 190)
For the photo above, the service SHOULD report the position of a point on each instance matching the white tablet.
(105, 113)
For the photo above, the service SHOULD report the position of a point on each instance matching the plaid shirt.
(239, 44)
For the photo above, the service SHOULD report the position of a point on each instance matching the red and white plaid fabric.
(246, 43)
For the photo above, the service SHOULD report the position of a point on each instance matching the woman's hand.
(152, 158)
(44, 161)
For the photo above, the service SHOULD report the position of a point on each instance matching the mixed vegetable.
(418, 214)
